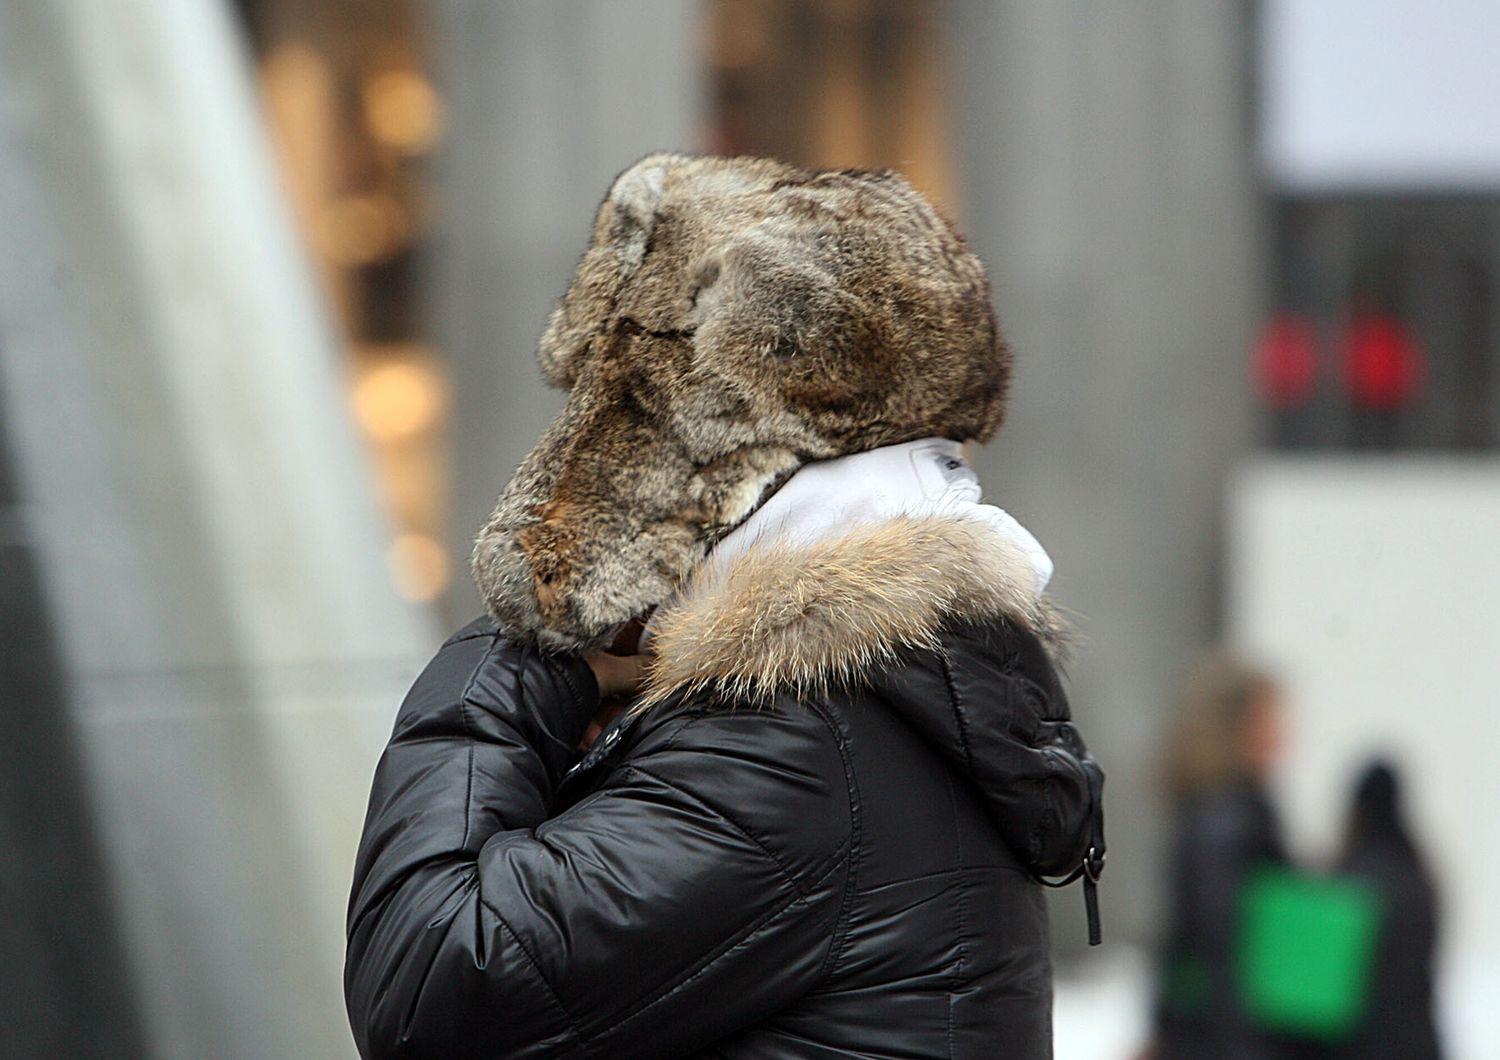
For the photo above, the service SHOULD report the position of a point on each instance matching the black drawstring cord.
(1093, 865)
(1089, 871)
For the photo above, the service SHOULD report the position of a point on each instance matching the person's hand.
(619, 676)
(618, 672)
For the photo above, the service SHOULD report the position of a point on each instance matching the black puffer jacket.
(847, 873)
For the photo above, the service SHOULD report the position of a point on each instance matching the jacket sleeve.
(694, 891)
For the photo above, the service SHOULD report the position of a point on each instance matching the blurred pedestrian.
(1379, 850)
(1225, 739)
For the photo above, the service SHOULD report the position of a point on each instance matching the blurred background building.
(271, 277)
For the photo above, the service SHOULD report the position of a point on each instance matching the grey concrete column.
(208, 538)
(547, 102)
(1106, 162)
(66, 986)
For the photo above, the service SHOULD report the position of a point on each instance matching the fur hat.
(731, 320)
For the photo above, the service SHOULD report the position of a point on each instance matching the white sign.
(1380, 95)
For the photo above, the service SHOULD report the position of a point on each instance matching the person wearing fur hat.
(806, 811)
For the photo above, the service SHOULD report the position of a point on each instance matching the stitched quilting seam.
(751, 930)
(567, 679)
(840, 940)
(536, 968)
(958, 713)
(463, 716)
(741, 828)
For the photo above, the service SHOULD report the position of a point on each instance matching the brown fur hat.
(731, 320)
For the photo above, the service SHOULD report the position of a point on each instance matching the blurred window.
(353, 117)
(1377, 142)
(836, 84)
(1384, 332)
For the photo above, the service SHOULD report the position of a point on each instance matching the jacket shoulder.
(481, 684)
(480, 628)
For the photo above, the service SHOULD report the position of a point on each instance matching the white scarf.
(928, 477)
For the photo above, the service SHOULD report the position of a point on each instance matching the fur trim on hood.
(803, 617)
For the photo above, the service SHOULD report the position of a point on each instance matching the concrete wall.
(208, 541)
(1108, 184)
(65, 983)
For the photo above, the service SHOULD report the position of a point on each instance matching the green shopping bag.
(1305, 951)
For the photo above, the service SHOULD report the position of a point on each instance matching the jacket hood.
(850, 560)
(938, 617)
(882, 570)
(792, 616)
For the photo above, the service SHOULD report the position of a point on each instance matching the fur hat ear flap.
(635, 196)
(560, 351)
